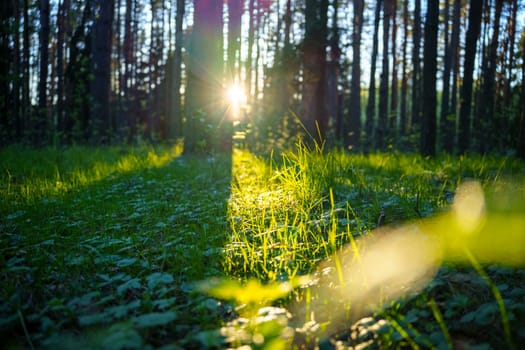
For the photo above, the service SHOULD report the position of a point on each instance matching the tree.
(355, 87)
(175, 108)
(474, 27)
(382, 123)
(371, 103)
(41, 124)
(100, 86)
(314, 68)
(404, 78)
(205, 77)
(428, 126)
(449, 102)
(488, 93)
(521, 128)
(416, 73)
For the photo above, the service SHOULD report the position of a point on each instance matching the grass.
(143, 247)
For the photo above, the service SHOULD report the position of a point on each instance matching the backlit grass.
(113, 247)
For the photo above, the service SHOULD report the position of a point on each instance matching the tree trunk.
(521, 133)
(26, 95)
(41, 125)
(205, 77)
(355, 87)
(428, 126)
(416, 74)
(235, 8)
(371, 105)
(175, 112)
(62, 24)
(100, 86)
(473, 31)
(392, 117)
(249, 64)
(404, 82)
(445, 97)
(449, 121)
(487, 124)
(314, 69)
(382, 124)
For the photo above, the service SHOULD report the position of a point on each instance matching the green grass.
(142, 247)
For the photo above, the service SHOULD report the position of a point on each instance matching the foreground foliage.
(119, 248)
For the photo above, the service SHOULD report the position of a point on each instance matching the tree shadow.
(128, 245)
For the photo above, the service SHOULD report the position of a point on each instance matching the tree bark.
(416, 74)
(428, 126)
(404, 83)
(100, 86)
(473, 31)
(204, 106)
(371, 105)
(314, 69)
(355, 87)
(41, 125)
(382, 124)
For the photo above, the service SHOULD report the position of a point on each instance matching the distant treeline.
(442, 76)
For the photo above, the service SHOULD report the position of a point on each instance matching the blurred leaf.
(253, 292)
(154, 319)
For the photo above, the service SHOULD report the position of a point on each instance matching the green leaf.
(126, 262)
(154, 319)
(131, 284)
(88, 320)
(157, 278)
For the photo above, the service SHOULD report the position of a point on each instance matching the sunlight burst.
(236, 99)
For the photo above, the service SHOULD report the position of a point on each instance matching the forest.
(442, 76)
(262, 174)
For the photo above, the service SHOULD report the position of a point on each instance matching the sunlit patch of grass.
(28, 175)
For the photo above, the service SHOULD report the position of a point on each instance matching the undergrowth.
(145, 248)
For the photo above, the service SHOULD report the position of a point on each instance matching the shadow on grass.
(111, 262)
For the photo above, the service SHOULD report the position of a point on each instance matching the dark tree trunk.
(314, 69)
(101, 69)
(485, 140)
(450, 116)
(355, 87)
(26, 97)
(175, 112)
(392, 117)
(521, 133)
(128, 48)
(382, 124)
(62, 24)
(371, 105)
(333, 71)
(416, 73)
(445, 97)
(404, 83)
(17, 125)
(235, 8)
(428, 126)
(205, 77)
(251, 36)
(41, 125)
(473, 31)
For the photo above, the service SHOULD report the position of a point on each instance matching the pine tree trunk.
(428, 126)
(416, 74)
(473, 31)
(355, 87)
(404, 83)
(371, 104)
(41, 125)
(100, 86)
(382, 124)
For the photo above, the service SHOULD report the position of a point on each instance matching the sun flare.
(236, 95)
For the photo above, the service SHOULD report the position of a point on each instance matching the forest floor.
(136, 248)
